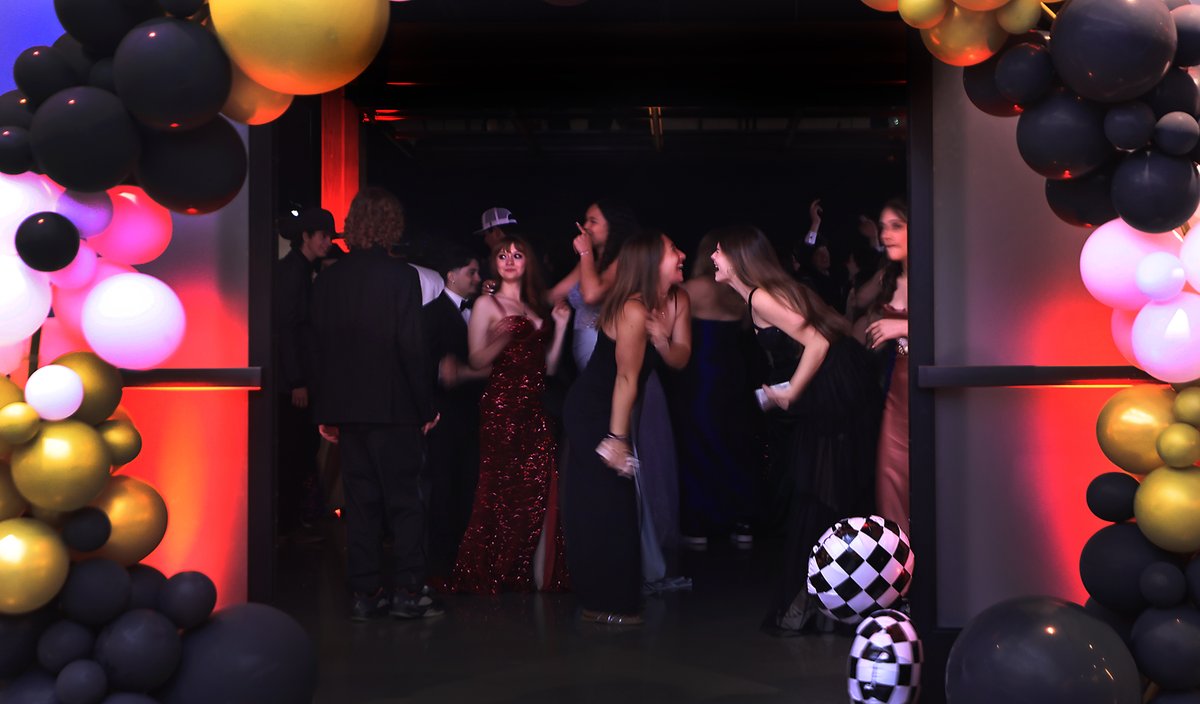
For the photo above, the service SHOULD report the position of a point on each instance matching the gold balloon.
(881, 5)
(964, 37)
(1167, 507)
(123, 440)
(923, 14)
(9, 392)
(33, 565)
(55, 519)
(1130, 423)
(101, 385)
(981, 5)
(301, 47)
(12, 504)
(1187, 406)
(1179, 445)
(252, 104)
(63, 468)
(138, 516)
(1019, 16)
(19, 422)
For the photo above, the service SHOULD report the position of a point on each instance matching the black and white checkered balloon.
(859, 566)
(885, 660)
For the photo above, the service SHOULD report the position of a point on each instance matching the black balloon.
(1122, 624)
(1062, 136)
(1025, 73)
(41, 71)
(1110, 496)
(101, 76)
(1163, 585)
(100, 24)
(19, 639)
(87, 529)
(96, 591)
(84, 139)
(1176, 92)
(75, 55)
(129, 698)
(1113, 51)
(1083, 202)
(1111, 566)
(1129, 125)
(139, 651)
(81, 682)
(16, 154)
(979, 83)
(245, 653)
(1166, 645)
(15, 110)
(181, 8)
(193, 172)
(172, 74)
(1192, 697)
(1176, 133)
(1156, 192)
(1187, 26)
(1173, 4)
(47, 241)
(189, 597)
(145, 584)
(1040, 650)
(1192, 573)
(63, 643)
(31, 688)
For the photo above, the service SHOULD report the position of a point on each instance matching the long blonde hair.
(638, 274)
(756, 264)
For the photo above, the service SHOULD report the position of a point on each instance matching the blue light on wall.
(24, 24)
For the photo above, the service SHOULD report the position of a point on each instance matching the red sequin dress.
(517, 492)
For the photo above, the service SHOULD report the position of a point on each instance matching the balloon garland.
(1107, 105)
(121, 122)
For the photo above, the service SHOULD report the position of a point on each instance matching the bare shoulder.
(633, 310)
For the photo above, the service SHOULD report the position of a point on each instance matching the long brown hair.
(638, 268)
(532, 288)
(891, 270)
(756, 264)
(376, 219)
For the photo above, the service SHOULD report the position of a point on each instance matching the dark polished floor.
(697, 646)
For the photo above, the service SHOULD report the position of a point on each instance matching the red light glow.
(339, 154)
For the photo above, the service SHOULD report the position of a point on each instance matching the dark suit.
(373, 384)
(299, 495)
(454, 443)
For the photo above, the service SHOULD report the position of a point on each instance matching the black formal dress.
(600, 507)
(298, 487)
(373, 383)
(453, 460)
(826, 443)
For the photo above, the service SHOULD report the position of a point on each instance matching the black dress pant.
(381, 475)
(453, 470)
(298, 482)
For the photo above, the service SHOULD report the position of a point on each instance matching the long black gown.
(827, 442)
(600, 511)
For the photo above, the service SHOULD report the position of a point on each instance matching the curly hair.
(376, 219)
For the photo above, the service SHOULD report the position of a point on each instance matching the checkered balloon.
(885, 660)
(859, 566)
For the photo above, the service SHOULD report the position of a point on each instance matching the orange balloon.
(251, 103)
(965, 37)
(138, 516)
(882, 5)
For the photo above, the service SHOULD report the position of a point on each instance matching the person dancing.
(600, 502)
(831, 407)
(515, 514)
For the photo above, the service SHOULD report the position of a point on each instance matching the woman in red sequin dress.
(514, 540)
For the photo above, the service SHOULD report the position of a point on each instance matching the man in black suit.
(299, 495)
(453, 465)
(375, 396)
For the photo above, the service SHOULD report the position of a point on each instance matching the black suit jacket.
(371, 364)
(293, 341)
(447, 334)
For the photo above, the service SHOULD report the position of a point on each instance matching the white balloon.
(24, 299)
(1166, 338)
(133, 321)
(1189, 257)
(21, 196)
(1122, 333)
(80, 272)
(1160, 276)
(11, 356)
(89, 212)
(1110, 258)
(54, 391)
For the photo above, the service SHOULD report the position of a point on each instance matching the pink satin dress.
(891, 474)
